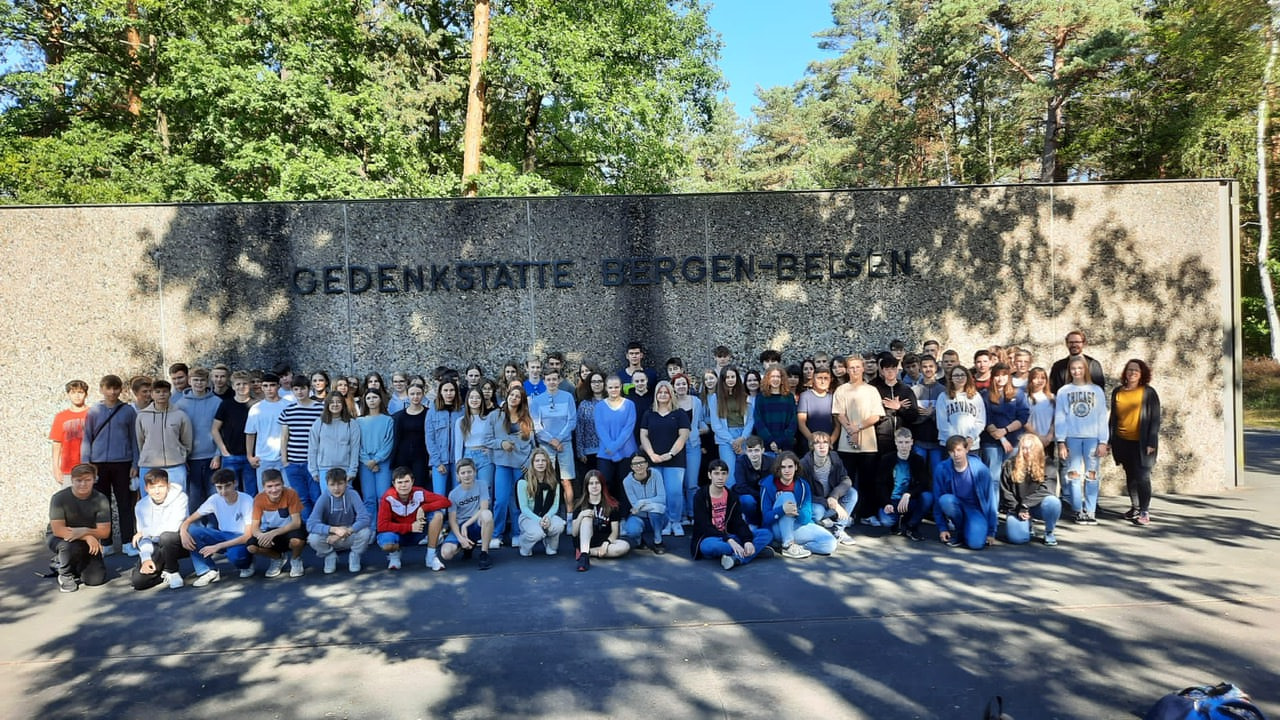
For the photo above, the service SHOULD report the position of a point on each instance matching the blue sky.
(766, 43)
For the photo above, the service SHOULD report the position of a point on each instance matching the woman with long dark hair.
(1135, 435)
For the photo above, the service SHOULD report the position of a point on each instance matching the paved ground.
(1099, 627)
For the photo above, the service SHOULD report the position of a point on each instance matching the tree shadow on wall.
(217, 271)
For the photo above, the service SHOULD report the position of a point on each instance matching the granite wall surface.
(1147, 269)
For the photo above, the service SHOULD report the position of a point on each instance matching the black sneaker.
(1090, 519)
(1081, 518)
(954, 541)
(466, 554)
(584, 562)
(67, 583)
(658, 549)
(765, 552)
(914, 534)
(485, 563)
(1131, 514)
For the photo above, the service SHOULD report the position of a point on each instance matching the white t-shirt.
(264, 421)
(231, 517)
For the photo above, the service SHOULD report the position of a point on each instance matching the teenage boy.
(898, 349)
(201, 407)
(906, 485)
(277, 526)
(296, 421)
(719, 528)
(641, 397)
(857, 408)
(963, 487)
(752, 466)
(262, 428)
(982, 370)
(228, 433)
(555, 417)
(635, 366)
(648, 498)
(833, 495)
(555, 361)
(140, 388)
(165, 437)
(232, 510)
(159, 518)
(898, 401)
(470, 520)
(178, 378)
(110, 443)
(67, 432)
(931, 348)
(407, 511)
(533, 384)
(813, 411)
(675, 366)
(220, 381)
(924, 431)
(950, 359)
(723, 358)
(910, 375)
(79, 521)
(1021, 368)
(340, 521)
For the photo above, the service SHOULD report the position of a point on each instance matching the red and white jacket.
(398, 516)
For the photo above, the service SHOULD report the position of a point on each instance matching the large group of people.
(746, 460)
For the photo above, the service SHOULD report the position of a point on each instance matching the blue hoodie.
(200, 411)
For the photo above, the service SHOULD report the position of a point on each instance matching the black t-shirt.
(411, 437)
(77, 513)
(233, 415)
(602, 519)
(664, 430)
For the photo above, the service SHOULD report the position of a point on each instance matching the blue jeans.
(504, 490)
(848, 501)
(932, 453)
(633, 527)
(1081, 467)
(404, 540)
(750, 508)
(969, 520)
(728, 455)
(1018, 531)
(484, 467)
(246, 478)
(372, 486)
(810, 536)
(917, 508)
(441, 482)
(199, 482)
(204, 536)
(714, 547)
(673, 483)
(299, 478)
(692, 464)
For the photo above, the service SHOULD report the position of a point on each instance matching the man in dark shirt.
(1059, 376)
(79, 521)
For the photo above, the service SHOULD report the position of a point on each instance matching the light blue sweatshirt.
(377, 438)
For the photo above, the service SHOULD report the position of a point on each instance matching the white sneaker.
(330, 563)
(551, 549)
(296, 568)
(844, 538)
(274, 568)
(434, 563)
(131, 550)
(677, 529)
(247, 572)
(727, 562)
(174, 579)
(353, 563)
(211, 576)
(495, 543)
(795, 551)
(393, 560)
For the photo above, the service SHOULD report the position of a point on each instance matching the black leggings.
(1137, 477)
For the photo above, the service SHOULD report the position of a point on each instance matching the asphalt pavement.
(1099, 627)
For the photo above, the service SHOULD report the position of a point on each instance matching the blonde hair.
(1030, 458)
(533, 478)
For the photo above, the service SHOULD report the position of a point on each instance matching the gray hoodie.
(164, 437)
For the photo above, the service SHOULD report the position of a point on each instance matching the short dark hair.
(955, 441)
(333, 475)
(178, 367)
(717, 464)
(465, 462)
(721, 351)
(675, 361)
(156, 475)
(273, 474)
(77, 385)
(111, 381)
(224, 476)
(161, 385)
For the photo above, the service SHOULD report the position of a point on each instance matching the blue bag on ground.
(1206, 702)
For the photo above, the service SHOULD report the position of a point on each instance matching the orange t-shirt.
(269, 515)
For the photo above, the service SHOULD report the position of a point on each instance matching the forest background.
(122, 101)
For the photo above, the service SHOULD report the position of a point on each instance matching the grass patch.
(1262, 393)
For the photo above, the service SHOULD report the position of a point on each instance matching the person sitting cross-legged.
(720, 528)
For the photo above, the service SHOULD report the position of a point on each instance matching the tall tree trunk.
(132, 41)
(532, 109)
(474, 129)
(1264, 186)
(52, 13)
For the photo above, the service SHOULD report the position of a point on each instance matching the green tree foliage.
(210, 100)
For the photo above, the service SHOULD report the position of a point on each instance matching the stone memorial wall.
(1148, 270)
